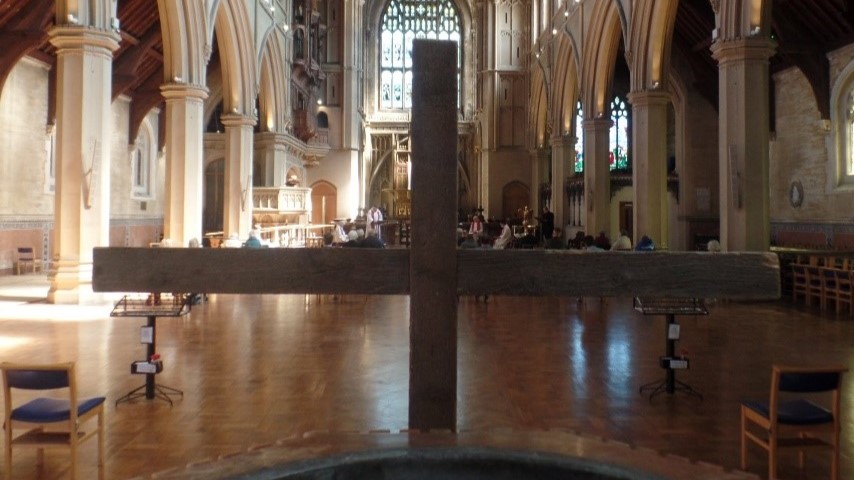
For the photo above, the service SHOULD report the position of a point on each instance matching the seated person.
(476, 226)
(622, 243)
(253, 241)
(233, 241)
(713, 246)
(372, 240)
(602, 241)
(338, 234)
(352, 239)
(504, 239)
(645, 244)
(469, 242)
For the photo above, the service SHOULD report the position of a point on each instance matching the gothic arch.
(237, 54)
(604, 39)
(539, 107)
(273, 98)
(186, 43)
(741, 18)
(652, 27)
(565, 87)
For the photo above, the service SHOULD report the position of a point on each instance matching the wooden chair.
(795, 422)
(799, 281)
(49, 422)
(828, 286)
(844, 292)
(815, 286)
(27, 257)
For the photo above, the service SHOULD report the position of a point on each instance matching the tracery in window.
(402, 22)
(618, 158)
(618, 149)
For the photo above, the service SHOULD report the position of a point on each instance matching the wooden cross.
(433, 271)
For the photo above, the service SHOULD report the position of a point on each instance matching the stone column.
(649, 165)
(563, 150)
(597, 175)
(271, 150)
(183, 202)
(743, 142)
(237, 196)
(84, 59)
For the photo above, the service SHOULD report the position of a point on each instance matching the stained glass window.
(618, 156)
(849, 162)
(403, 21)
(579, 143)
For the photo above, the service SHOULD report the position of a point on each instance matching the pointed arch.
(273, 97)
(539, 109)
(743, 18)
(604, 38)
(186, 43)
(565, 86)
(237, 53)
(653, 22)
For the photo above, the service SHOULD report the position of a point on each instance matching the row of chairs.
(823, 285)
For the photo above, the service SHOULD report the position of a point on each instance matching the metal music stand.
(670, 307)
(151, 306)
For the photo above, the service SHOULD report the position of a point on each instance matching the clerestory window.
(403, 21)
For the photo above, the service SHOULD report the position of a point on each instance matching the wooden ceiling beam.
(146, 97)
(126, 66)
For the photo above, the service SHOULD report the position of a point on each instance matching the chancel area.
(291, 125)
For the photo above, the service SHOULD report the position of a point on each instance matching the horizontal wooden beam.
(386, 271)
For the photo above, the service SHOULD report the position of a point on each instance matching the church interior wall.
(24, 142)
(506, 167)
(334, 168)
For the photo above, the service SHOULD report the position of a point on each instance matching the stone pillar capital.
(181, 91)
(565, 141)
(78, 38)
(647, 98)
(742, 49)
(236, 120)
(597, 125)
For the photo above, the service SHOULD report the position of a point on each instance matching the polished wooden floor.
(256, 369)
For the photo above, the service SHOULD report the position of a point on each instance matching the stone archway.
(324, 203)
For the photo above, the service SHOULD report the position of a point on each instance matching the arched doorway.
(514, 196)
(212, 214)
(324, 203)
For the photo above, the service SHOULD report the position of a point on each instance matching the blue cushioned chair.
(801, 423)
(49, 422)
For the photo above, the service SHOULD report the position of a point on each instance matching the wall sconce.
(755, 30)
(285, 27)
(320, 101)
(177, 79)
(656, 85)
(72, 19)
(537, 54)
(234, 110)
(554, 31)
(566, 12)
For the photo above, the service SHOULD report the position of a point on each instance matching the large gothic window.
(579, 135)
(403, 21)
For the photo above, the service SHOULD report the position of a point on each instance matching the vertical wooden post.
(433, 259)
